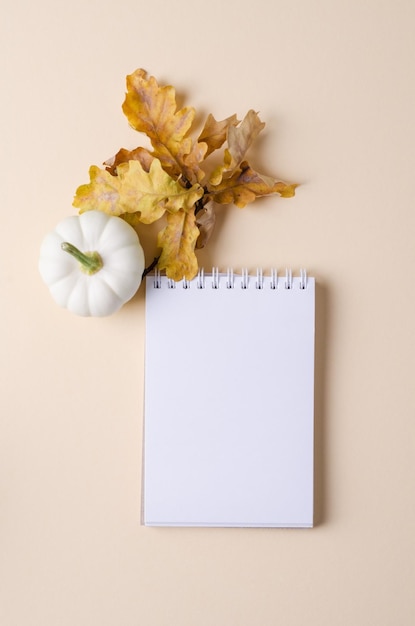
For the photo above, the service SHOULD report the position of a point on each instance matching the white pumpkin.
(92, 263)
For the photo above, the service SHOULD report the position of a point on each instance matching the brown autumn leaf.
(245, 185)
(240, 138)
(191, 162)
(152, 109)
(123, 156)
(177, 241)
(214, 133)
(205, 221)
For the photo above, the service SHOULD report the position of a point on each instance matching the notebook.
(229, 387)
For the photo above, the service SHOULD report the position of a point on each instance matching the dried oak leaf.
(205, 221)
(152, 109)
(240, 138)
(214, 133)
(177, 241)
(134, 190)
(245, 185)
(123, 156)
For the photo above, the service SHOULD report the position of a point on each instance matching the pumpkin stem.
(90, 262)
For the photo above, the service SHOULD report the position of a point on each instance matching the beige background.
(334, 81)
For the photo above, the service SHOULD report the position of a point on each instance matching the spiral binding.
(228, 279)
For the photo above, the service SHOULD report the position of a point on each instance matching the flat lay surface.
(333, 81)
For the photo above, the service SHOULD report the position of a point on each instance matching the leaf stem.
(150, 267)
(199, 204)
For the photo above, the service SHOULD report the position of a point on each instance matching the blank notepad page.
(229, 387)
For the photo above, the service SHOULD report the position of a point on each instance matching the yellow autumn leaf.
(245, 185)
(152, 109)
(135, 190)
(168, 179)
(214, 133)
(177, 241)
(240, 138)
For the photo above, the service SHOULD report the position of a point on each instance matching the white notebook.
(229, 394)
